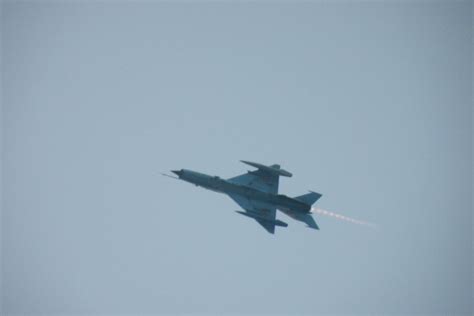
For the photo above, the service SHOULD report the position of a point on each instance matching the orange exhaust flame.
(318, 210)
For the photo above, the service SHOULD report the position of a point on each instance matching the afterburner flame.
(318, 210)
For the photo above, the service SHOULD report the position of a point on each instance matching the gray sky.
(368, 103)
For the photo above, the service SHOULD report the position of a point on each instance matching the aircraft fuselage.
(220, 185)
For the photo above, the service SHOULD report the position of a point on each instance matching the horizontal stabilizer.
(309, 220)
(305, 218)
(309, 198)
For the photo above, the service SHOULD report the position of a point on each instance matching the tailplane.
(302, 217)
(309, 198)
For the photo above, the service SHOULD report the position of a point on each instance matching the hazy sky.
(368, 103)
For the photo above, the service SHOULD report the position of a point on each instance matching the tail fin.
(309, 198)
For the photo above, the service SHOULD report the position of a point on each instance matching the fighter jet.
(257, 193)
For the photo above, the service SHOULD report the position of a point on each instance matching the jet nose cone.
(177, 172)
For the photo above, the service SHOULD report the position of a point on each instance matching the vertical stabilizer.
(309, 198)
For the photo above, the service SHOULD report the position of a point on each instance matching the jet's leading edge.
(257, 193)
